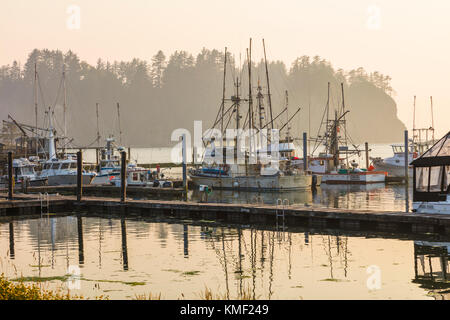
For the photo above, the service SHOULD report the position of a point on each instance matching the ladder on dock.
(280, 214)
(45, 203)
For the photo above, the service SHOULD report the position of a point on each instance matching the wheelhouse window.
(55, 166)
(65, 166)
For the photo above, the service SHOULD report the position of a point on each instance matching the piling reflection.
(80, 241)
(11, 241)
(232, 260)
(123, 229)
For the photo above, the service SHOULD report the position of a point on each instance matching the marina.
(156, 151)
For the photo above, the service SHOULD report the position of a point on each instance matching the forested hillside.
(170, 92)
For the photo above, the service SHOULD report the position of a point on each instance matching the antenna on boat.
(120, 129)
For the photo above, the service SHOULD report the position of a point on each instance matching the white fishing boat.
(61, 171)
(395, 165)
(24, 170)
(141, 177)
(334, 164)
(431, 179)
(109, 164)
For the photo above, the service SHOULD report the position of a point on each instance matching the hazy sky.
(408, 40)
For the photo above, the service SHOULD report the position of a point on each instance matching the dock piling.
(10, 176)
(305, 152)
(79, 175)
(123, 177)
(367, 155)
(185, 184)
(406, 158)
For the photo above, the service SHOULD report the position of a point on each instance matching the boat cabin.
(432, 173)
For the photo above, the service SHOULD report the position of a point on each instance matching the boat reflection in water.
(377, 196)
(431, 268)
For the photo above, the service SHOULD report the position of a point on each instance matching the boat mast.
(51, 140)
(250, 95)
(65, 100)
(268, 84)
(343, 115)
(328, 119)
(120, 129)
(223, 91)
(36, 108)
(98, 128)
(287, 117)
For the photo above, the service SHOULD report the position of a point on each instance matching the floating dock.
(281, 216)
(105, 191)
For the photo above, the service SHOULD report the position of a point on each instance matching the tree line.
(170, 92)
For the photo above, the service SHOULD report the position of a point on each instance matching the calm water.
(122, 258)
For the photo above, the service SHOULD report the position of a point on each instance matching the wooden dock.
(282, 217)
(105, 191)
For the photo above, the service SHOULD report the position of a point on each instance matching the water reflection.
(375, 196)
(183, 258)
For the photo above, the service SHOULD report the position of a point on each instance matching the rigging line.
(41, 91)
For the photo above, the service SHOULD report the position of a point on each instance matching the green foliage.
(20, 291)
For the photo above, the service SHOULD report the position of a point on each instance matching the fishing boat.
(24, 170)
(61, 171)
(431, 179)
(334, 164)
(141, 177)
(422, 140)
(252, 165)
(109, 164)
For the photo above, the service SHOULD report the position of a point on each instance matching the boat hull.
(68, 179)
(354, 178)
(392, 170)
(442, 207)
(255, 183)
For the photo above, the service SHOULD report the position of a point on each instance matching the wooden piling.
(305, 152)
(10, 176)
(123, 177)
(367, 155)
(185, 184)
(406, 158)
(79, 175)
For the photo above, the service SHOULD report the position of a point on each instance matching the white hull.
(392, 170)
(255, 183)
(354, 178)
(441, 207)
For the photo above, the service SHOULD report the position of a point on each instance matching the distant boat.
(334, 165)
